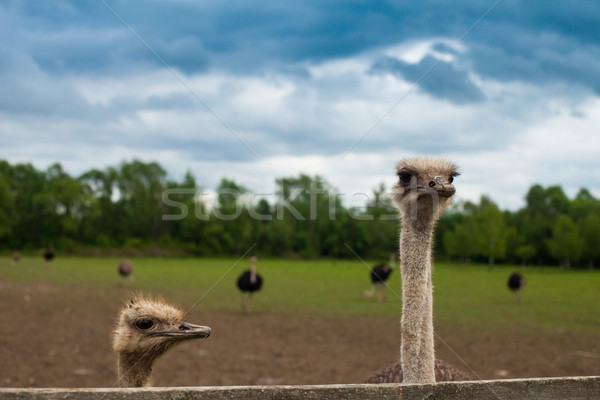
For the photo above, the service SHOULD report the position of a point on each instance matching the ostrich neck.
(417, 350)
(134, 370)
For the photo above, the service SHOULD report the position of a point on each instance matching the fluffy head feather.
(424, 188)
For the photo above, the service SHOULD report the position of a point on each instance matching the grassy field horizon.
(311, 323)
(472, 295)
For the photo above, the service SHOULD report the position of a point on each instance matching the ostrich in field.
(248, 283)
(126, 269)
(516, 282)
(379, 276)
(48, 255)
(16, 257)
(145, 330)
(423, 191)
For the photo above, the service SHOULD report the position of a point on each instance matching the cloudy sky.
(255, 90)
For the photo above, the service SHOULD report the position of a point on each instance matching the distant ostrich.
(16, 257)
(379, 276)
(424, 190)
(516, 282)
(126, 269)
(146, 329)
(49, 255)
(248, 283)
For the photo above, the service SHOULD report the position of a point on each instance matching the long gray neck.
(417, 350)
(134, 370)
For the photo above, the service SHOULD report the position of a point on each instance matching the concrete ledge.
(536, 388)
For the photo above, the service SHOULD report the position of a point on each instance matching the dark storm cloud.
(534, 41)
(540, 59)
(54, 43)
(295, 79)
(436, 77)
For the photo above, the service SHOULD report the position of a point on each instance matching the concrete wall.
(539, 388)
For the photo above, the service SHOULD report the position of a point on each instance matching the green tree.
(7, 209)
(565, 244)
(231, 222)
(584, 204)
(549, 202)
(140, 188)
(186, 218)
(492, 231)
(261, 220)
(30, 220)
(589, 228)
(129, 204)
(379, 226)
(525, 252)
(313, 209)
(513, 239)
(229, 195)
(536, 220)
(98, 226)
(460, 243)
(68, 204)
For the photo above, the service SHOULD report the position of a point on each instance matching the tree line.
(135, 206)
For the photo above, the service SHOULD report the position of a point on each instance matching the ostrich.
(126, 269)
(424, 190)
(49, 255)
(249, 282)
(516, 282)
(379, 275)
(146, 329)
(16, 257)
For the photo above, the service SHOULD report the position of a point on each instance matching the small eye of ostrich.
(451, 179)
(405, 177)
(144, 324)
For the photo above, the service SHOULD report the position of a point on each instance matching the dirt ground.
(61, 338)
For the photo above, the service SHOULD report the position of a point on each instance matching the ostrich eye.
(451, 179)
(144, 324)
(405, 177)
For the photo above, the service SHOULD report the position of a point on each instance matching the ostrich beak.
(442, 189)
(445, 189)
(183, 331)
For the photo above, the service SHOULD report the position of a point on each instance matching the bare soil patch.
(57, 337)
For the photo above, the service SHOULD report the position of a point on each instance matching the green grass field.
(469, 296)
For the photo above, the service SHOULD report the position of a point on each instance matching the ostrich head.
(424, 188)
(146, 329)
